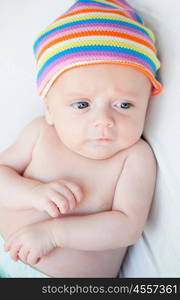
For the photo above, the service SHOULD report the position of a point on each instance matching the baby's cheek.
(71, 138)
(132, 134)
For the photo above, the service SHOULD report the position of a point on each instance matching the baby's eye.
(124, 105)
(80, 105)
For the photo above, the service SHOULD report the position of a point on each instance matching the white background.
(20, 22)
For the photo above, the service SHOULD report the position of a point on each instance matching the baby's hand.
(56, 197)
(31, 242)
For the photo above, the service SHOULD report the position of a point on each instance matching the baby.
(77, 185)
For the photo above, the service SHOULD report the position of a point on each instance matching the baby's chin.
(98, 155)
(99, 150)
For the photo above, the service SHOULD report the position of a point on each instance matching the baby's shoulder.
(46, 133)
(38, 122)
(140, 145)
(37, 125)
(141, 151)
(32, 131)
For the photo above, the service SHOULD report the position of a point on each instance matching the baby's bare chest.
(50, 162)
(97, 178)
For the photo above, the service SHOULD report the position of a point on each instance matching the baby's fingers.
(23, 254)
(61, 202)
(8, 243)
(32, 258)
(63, 195)
(75, 189)
(14, 252)
(52, 209)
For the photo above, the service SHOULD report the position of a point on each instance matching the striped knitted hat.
(95, 32)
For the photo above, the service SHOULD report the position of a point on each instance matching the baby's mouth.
(104, 139)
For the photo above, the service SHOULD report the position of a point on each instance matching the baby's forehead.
(109, 78)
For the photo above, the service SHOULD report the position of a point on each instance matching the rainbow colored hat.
(95, 32)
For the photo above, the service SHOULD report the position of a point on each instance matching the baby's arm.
(107, 230)
(13, 161)
(123, 225)
(18, 192)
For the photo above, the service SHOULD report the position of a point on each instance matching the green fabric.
(4, 274)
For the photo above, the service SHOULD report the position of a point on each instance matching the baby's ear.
(48, 115)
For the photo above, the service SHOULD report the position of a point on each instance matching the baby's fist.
(56, 197)
(31, 242)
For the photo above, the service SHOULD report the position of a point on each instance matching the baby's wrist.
(33, 195)
(58, 233)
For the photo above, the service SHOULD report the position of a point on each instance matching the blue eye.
(80, 105)
(124, 105)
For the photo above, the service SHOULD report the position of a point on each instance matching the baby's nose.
(103, 120)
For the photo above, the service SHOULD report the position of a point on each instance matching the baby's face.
(99, 110)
